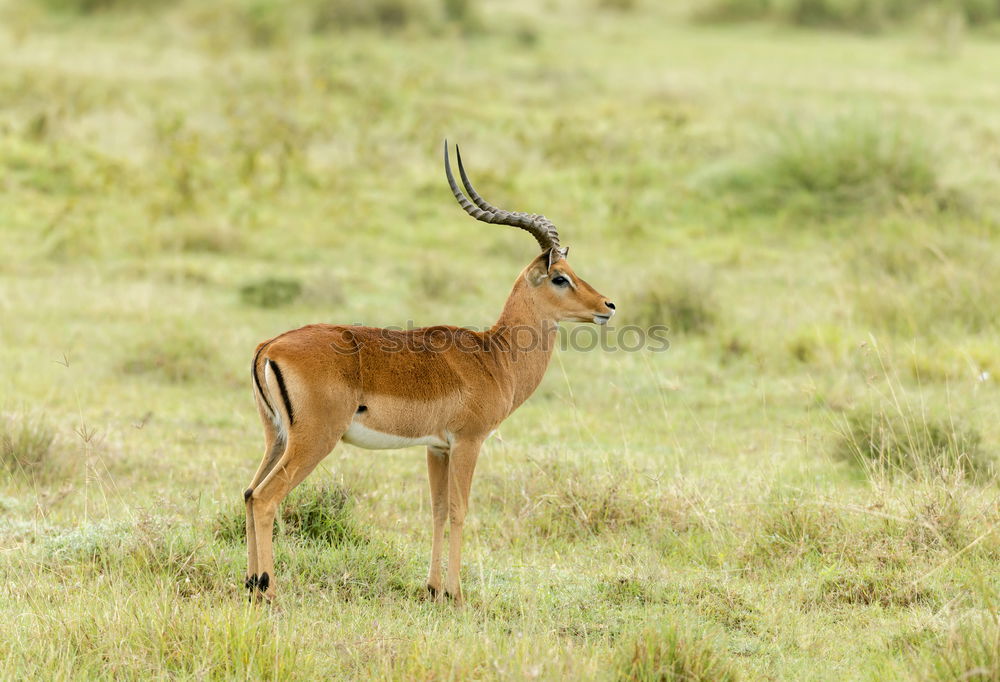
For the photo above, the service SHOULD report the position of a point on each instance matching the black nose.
(610, 304)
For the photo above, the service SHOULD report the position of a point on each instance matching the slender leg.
(461, 466)
(305, 449)
(274, 448)
(437, 472)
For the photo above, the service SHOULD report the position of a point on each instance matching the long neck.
(526, 338)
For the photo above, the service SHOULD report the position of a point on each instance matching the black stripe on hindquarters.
(256, 379)
(284, 391)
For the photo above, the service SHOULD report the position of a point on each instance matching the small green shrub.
(97, 6)
(664, 652)
(265, 23)
(618, 5)
(526, 34)
(342, 15)
(25, 444)
(723, 11)
(320, 512)
(271, 292)
(846, 166)
(458, 10)
(890, 439)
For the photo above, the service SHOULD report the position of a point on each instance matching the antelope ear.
(537, 274)
(557, 254)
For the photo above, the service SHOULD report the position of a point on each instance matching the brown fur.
(447, 382)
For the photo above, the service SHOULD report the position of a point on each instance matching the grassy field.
(803, 487)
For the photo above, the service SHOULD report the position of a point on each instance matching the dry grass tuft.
(867, 588)
(561, 500)
(26, 445)
(664, 652)
(970, 651)
(895, 438)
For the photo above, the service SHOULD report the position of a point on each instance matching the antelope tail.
(260, 371)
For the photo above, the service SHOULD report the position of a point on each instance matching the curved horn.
(538, 226)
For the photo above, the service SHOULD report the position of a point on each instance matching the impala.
(446, 388)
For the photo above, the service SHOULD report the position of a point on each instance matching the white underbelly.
(363, 437)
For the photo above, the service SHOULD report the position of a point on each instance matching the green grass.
(685, 303)
(886, 440)
(865, 16)
(270, 292)
(665, 654)
(971, 652)
(803, 487)
(852, 165)
(321, 513)
(25, 444)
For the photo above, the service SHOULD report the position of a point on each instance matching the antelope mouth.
(602, 319)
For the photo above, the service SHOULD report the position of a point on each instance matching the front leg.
(437, 472)
(461, 466)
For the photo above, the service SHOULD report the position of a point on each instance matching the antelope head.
(553, 288)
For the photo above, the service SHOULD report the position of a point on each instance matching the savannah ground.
(803, 487)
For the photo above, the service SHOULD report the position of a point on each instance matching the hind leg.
(304, 451)
(275, 446)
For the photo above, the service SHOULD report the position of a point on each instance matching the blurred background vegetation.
(807, 192)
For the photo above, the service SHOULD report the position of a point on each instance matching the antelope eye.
(560, 281)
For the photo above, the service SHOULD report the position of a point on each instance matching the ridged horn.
(538, 226)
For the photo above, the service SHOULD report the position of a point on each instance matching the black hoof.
(251, 582)
(263, 582)
(433, 591)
